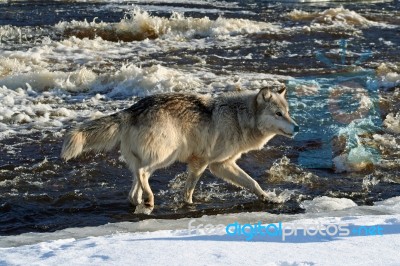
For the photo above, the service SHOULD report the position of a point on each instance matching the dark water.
(39, 192)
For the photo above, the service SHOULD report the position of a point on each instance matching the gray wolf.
(199, 130)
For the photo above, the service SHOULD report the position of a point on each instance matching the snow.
(161, 242)
(326, 204)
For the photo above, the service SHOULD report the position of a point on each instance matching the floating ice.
(391, 205)
(356, 156)
(324, 204)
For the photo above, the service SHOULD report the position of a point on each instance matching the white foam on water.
(80, 80)
(206, 192)
(8, 32)
(339, 16)
(392, 122)
(388, 75)
(49, 99)
(45, 86)
(283, 170)
(198, 2)
(209, 9)
(369, 182)
(139, 25)
(132, 80)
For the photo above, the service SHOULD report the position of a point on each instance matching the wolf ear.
(264, 95)
(282, 91)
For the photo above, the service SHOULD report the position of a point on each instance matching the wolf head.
(273, 113)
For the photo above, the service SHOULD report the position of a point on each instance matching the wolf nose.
(296, 128)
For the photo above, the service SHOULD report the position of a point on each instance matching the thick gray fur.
(202, 131)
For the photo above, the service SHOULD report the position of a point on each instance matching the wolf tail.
(102, 134)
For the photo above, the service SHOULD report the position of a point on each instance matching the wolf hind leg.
(195, 170)
(140, 194)
(136, 192)
(133, 162)
(231, 172)
(143, 175)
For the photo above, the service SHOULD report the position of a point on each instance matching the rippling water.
(62, 62)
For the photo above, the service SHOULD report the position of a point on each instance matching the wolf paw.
(149, 202)
(135, 201)
(270, 197)
(188, 200)
(143, 209)
(264, 197)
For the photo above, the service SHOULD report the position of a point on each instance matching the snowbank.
(150, 242)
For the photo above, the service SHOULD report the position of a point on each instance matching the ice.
(112, 242)
(391, 205)
(357, 155)
(214, 249)
(320, 208)
(324, 204)
(357, 159)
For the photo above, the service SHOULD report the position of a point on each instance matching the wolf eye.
(278, 113)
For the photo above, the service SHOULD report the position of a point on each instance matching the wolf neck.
(251, 136)
(255, 136)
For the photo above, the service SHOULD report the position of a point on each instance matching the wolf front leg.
(195, 170)
(231, 172)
